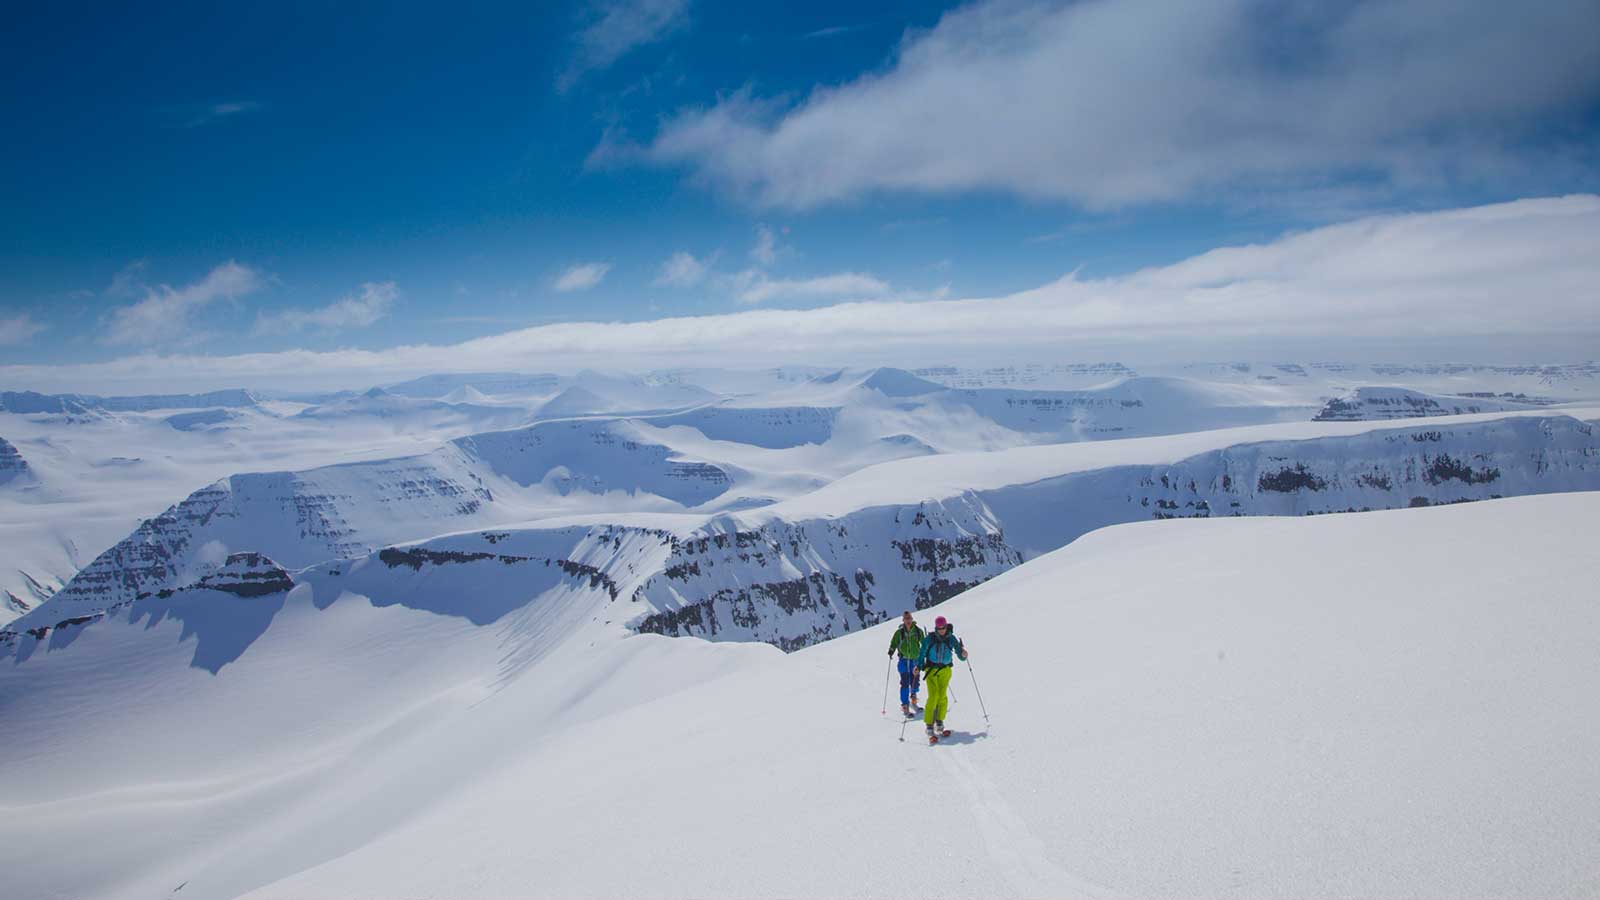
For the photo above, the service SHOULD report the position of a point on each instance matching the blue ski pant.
(908, 679)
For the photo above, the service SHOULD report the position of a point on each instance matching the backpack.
(947, 642)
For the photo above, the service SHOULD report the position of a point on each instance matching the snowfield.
(1388, 704)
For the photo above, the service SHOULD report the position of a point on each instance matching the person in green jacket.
(907, 641)
(939, 651)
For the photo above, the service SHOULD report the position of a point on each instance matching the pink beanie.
(940, 622)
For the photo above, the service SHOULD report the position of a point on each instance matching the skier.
(907, 641)
(939, 651)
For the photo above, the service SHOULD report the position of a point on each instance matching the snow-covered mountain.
(839, 558)
(774, 435)
(470, 719)
(28, 402)
(1400, 403)
(884, 403)
(586, 392)
(94, 478)
(1564, 382)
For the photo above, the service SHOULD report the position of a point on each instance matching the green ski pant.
(938, 681)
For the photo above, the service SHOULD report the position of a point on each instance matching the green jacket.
(907, 643)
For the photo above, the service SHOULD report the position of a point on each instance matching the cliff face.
(12, 466)
(296, 518)
(796, 583)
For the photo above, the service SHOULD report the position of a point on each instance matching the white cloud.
(765, 251)
(1115, 102)
(1492, 274)
(217, 111)
(18, 329)
(363, 309)
(581, 277)
(163, 315)
(682, 269)
(129, 280)
(755, 286)
(619, 27)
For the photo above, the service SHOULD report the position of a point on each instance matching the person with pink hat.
(940, 649)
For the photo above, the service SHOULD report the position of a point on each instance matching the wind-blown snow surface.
(1180, 709)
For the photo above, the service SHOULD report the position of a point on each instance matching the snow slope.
(1179, 709)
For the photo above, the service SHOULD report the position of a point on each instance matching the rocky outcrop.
(794, 583)
(13, 468)
(223, 626)
(247, 575)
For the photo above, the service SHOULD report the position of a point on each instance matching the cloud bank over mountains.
(1525, 268)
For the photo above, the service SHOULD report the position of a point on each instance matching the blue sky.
(188, 179)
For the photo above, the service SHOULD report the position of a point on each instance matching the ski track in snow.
(1018, 854)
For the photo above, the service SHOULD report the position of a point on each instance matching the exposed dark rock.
(1291, 479)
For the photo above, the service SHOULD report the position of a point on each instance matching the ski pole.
(886, 672)
(978, 692)
(903, 721)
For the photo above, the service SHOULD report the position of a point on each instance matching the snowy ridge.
(1571, 381)
(348, 510)
(1130, 407)
(773, 428)
(596, 456)
(793, 575)
(795, 578)
(1366, 404)
(26, 402)
(296, 518)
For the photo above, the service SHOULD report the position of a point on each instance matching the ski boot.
(943, 731)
